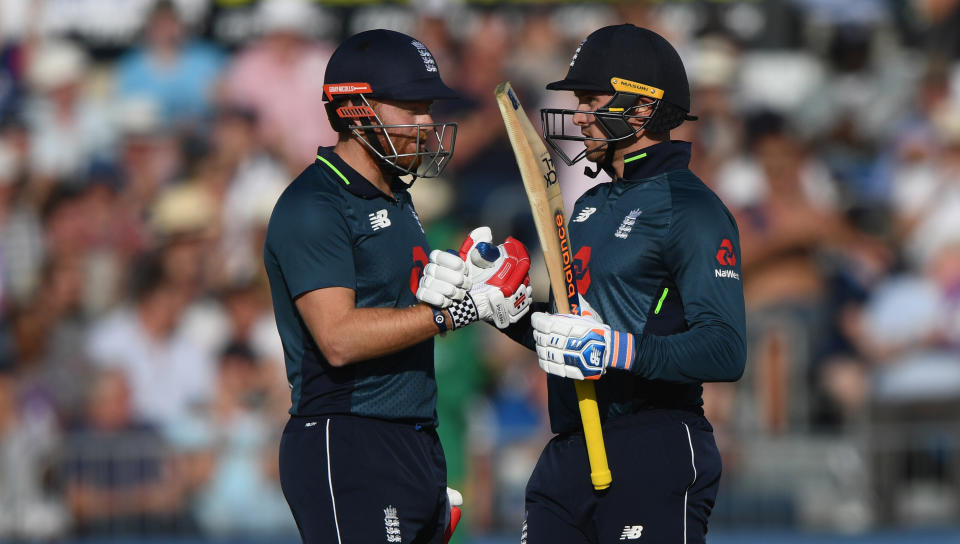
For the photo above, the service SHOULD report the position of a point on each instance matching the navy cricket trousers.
(666, 471)
(356, 480)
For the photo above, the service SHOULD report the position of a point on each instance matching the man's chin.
(596, 154)
(410, 163)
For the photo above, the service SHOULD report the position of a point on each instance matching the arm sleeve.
(313, 247)
(708, 277)
(522, 331)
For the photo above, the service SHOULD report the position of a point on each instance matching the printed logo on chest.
(584, 214)
(627, 224)
(379, 220)
(631, 532)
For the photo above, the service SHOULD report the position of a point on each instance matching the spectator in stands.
(170, 376)
(49, 330)
(787, 207)
(170, 69)
(68, 127)
(29, 510)
(119, 479)
(909, 331)
(256, 180)
(243, 495)
(276, 77)
(926, 190)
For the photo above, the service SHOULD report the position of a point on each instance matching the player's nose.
(582, 117)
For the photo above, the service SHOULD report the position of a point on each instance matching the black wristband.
(439, 319)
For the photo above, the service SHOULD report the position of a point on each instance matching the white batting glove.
(587, 311)
(444, 280)
(455, 500)
(579, 347)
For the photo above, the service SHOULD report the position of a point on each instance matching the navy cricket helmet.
(383, 64)
(631, 63)
(394, 66)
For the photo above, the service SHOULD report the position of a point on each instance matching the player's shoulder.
(695, 207)
(599, 191)
(689, 194)
(312, 187)
(309, 202)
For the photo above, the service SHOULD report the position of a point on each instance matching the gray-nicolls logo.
(577, 52)
(392, 524)
(425, 55)
(627, 225)
(584, 214)
(379, 219)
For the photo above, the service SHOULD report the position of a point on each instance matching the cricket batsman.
(657, 261)
(358, 301)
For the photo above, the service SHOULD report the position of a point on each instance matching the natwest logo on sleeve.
(725, 255)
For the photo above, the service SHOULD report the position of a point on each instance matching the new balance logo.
(595, 356)
(631, 532)
(392, 524)
(379, 220)
(627, 225)
(584, 214)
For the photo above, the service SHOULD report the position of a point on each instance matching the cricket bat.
(546, 205)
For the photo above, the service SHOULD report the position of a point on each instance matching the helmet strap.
(603, 165)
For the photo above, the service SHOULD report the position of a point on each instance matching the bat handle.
(600, 474)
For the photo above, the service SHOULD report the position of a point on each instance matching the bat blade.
(546, 205)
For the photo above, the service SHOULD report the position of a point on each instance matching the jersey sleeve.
(311, 242)
(702, 254)
(522, 331)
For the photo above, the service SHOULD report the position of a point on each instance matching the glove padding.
(444, 280)
(455, 501)
(499, 289)
(586, 310)
(579, 347)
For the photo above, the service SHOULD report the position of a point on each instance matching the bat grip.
(600, 474)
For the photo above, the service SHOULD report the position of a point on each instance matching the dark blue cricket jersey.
(657, 254)
(333, 228)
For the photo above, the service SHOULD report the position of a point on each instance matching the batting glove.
(579, 347)
(444, 280)
(455, 500)
(586, 310)
(499, 279)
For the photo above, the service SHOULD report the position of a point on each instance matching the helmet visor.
(559, 128)
(420, 150)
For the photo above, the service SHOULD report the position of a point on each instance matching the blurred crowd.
(143, 144)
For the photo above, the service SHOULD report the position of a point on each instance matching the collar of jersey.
(656, 159)
(347, 177)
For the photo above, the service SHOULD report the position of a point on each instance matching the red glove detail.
(454, 520)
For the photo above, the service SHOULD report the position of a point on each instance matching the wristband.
(439, 319)
(464, 312)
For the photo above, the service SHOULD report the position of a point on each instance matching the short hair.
(666, 118)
